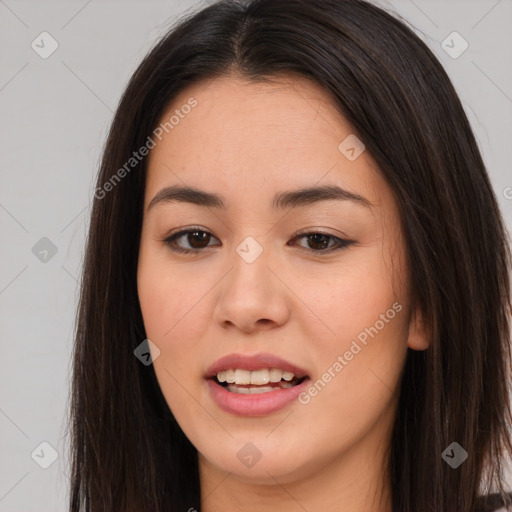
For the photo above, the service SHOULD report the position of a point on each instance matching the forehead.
(244, 138)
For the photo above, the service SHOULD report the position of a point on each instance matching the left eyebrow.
(310, 195)
(282, 200)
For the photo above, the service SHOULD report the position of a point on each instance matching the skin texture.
(247, 141)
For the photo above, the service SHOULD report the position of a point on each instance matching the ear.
(417, 338)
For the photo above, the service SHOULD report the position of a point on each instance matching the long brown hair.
(128, 452)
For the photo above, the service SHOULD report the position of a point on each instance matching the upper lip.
(253, 362)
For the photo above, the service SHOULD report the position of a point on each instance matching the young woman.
(296, 288)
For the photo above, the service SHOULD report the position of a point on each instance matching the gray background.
(55, 113)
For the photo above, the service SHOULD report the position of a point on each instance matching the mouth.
(251, 385)
(246, 374)
(266, 380)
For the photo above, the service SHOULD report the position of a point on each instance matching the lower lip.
(254, 405)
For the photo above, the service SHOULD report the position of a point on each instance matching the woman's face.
(331, 306)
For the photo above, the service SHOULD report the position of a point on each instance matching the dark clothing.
(492, 503)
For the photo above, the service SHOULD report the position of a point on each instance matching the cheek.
(350, 297)
(168, 296)
(173, 322)
(175, 311)
(367, 328)
(359, 370)
(170, 308)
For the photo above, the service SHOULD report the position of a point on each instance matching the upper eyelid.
(193, 227)
(188, 230)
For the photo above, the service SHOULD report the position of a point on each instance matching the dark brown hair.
(128, 452)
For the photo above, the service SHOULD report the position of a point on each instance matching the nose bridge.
(250, 274)
(250, 291)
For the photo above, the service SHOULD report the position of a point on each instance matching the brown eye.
(320, 242)
(194, 240)
(197, 238)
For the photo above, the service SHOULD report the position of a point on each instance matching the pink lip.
(254, 405)
(259, 404)
(253, 362)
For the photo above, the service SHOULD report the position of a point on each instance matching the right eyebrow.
(187, 195)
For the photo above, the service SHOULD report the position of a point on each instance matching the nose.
(252, 296)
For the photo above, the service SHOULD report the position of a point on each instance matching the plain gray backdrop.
(55, 109)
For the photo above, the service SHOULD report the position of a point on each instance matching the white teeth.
(260, 377)
(257, 377)
(287, 376)
(241, 391)
(250, 391)
(242, 376)
(275, 375)
(256, 389)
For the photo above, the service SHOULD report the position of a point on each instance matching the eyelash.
(170, 241)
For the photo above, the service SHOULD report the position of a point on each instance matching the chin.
(261, 466)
